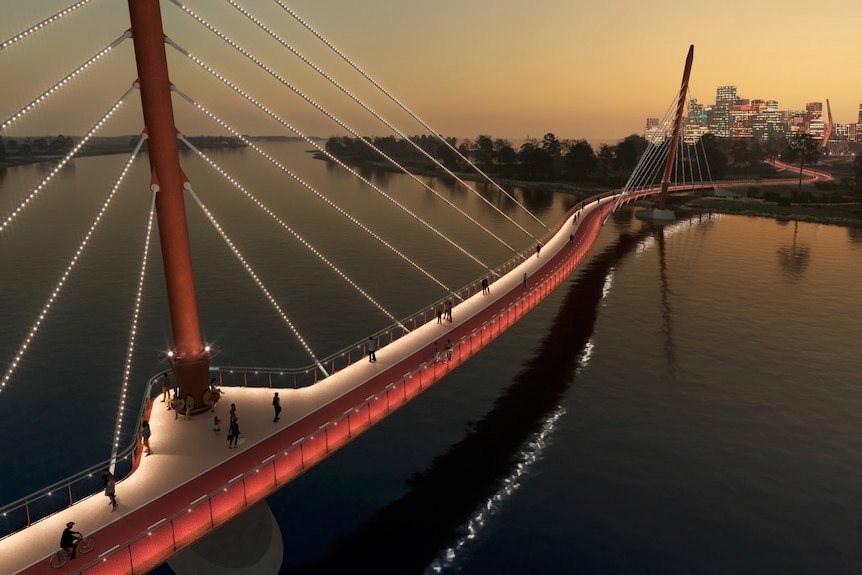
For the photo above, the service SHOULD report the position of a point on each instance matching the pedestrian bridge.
(182, 493)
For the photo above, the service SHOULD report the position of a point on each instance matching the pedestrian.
(110, 487)
(145, 436)
(371, 347)
(448, 308)
(448, 350)
(216, 425)
(190, 404)
(485, 287)
(276, 405)
(232, 412)
(571, 238)
(525, 280)
(439, 315)
(233, 435)
(538, 249)
(166, 388)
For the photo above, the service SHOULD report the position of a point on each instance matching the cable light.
(127, 368)
(72, 263)
(256, 279)
(63, 162)
(431, 130)
(42, 24)
(308, 186)
(328, 115)
(290, 230)
(408, 140)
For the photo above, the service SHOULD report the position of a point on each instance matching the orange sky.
(505, 68)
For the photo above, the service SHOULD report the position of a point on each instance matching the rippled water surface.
(687, 402)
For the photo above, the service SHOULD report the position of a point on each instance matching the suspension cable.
(58, 288)
(44, 96)
(291, 231)
(329, 115)
(308, 186)
(36, 27)
(66, 158)
(255, 278)
(133, 331)
(432, 131)
(389, 125)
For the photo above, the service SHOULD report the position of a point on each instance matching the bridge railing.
(165, 538)
(24, 512)
(34, 507)
(296, 377)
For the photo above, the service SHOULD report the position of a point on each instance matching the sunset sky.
(505, 68)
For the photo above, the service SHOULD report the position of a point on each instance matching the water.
(685, 403)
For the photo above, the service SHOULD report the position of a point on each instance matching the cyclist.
(69, 539)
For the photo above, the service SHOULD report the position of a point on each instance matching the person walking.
(486, 289)
(538, 249)
(439, 315)
(448, 307)
(449, 350)
(145, 436)
(190, 404)
(371, 347)
(233, 436)
(571, 238)
(276, 405)
(166, 388)
(525, 280)
(110, 487)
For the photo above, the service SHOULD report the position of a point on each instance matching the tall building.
(720, 123)
(816, 127)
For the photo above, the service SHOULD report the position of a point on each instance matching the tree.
(536, 162)
(484, 151)
(857, 175)
(802, 150)
(581, 160)
(606, 160)
(715, 158)
(506, 155)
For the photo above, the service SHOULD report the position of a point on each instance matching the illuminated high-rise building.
(725, 98)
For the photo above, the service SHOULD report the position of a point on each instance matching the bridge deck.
(191, 462)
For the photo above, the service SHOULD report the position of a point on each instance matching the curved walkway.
(193, 483)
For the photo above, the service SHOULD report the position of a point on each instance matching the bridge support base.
(656, 215)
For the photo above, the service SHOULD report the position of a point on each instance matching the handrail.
(20, 514)
(161, 540)
(43, 503)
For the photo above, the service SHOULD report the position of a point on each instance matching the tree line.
(577, 161)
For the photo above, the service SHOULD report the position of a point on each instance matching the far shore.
(843, 214)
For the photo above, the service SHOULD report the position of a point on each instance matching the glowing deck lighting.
(291, 231)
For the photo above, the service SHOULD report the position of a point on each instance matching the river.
(687, 402)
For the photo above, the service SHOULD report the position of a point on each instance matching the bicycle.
(85, 545)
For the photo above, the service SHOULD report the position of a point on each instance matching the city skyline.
(507, 69)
